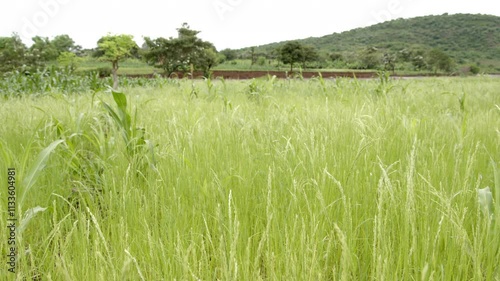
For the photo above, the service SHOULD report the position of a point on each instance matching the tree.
(12, 53)
(64, 43)
(68, 59)
(253, 56)
(309, 55)
(207, 59)
(294, 52)
(163, 53)
(439, 60)
(114, 48)
(185, 52)
(336, 57)
(229, 54)
(291, 53)
(417, 59)
(43, 50)
(370, 58)
(389, 61)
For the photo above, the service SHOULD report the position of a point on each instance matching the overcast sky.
(226, 23)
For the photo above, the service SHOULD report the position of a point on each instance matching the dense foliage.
(184, 53)
(467, 39)
(14, 54)
(295, 52)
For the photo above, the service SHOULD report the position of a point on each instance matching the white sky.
(226, 23)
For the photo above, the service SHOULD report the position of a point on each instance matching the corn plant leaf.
(112, 112)
(27, 217)
(120, 99)
(39, 164)
(120, 116)
(121, 102)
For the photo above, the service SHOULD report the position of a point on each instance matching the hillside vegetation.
(464, 37)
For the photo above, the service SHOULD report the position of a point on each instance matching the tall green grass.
(259, 180)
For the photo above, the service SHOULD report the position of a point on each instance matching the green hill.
(468, 39)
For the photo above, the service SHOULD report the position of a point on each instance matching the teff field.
(264, 179)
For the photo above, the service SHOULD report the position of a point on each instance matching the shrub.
(474, 69)
(104, 72)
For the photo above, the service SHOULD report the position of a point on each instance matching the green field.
(136, 67)
(255, 180)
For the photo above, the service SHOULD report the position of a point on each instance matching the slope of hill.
(465, 37)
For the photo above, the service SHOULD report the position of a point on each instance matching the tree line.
(187, 52)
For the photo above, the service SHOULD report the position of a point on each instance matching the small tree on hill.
(229, 54)
(291, 53)
(294, 52)
(389, 61)
(114, 48)
(439, 60)
(370, 58)
(309, 55)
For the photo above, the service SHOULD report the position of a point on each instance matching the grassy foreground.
(255, 180)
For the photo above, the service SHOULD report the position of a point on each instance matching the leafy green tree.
(12, 53)
(439, 60)
(206, 60)
(418, 62)
(291, 53)
(229, 54)
(309, 55)
(370, 58)
(404, 55)
(336, 57)
(43, 50)
(163, 53)
(185, 52)
(389, 61)
(64, 43)
(417, 59)
(115, 48)
(253, 56)
(194, 50)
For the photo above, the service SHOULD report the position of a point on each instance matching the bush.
(104, 72)
(68, 59)
(261, 61)
(474, 69)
